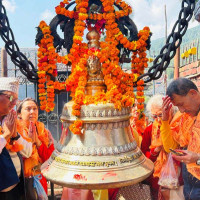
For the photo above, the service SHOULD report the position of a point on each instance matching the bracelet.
(153, 153)
(15, 138)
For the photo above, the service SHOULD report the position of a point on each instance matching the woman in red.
(151, 142)
(42, 140)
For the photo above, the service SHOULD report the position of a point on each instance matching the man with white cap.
(12, 145)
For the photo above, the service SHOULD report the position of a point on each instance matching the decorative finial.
(93, 37)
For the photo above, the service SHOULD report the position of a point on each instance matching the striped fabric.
(16, 162)
(2, 143)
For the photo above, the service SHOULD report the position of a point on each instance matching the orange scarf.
(155, 136)
(34, 160)
(194, 146)
(181, 128)
(157, 142)
(138, 124)
(163, 155)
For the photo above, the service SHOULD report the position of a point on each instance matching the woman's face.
(29, 112)
(156, 113)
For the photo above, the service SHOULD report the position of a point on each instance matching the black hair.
(20, 104)
(180, 86)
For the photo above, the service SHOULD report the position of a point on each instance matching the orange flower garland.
(47, 59)
(140, 96)
(119, 84)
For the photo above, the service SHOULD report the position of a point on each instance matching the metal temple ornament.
(106, 154)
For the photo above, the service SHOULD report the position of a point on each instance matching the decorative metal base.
(92, 172)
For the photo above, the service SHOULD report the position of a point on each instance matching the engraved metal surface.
(104, 156)
(103, 113)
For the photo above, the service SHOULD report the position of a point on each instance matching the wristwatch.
(198, 161)
(15, 138)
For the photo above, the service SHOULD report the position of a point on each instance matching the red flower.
(62, 5)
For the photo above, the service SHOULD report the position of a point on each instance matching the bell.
(106, 154)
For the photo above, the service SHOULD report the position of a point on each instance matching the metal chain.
(174, 40)
(17, 57)
(160, 63)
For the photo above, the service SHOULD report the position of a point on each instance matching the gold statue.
(94, 69)
(95, 79)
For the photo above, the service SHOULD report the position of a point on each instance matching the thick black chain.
(17, 57)
(160, 63)
(174, 40)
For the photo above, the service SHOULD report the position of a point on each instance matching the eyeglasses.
(157, 116)
(10, 97)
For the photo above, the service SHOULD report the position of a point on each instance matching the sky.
(25, 15)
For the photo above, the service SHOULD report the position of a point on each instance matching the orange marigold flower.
(140, 100)
(78, 123)
(42, 98)
(43, 107)
(140, 106)
(41, 90)
(76, 112)
(76, 107)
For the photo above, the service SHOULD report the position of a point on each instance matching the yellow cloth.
(167, 138)
(164, 138)
(100, 194)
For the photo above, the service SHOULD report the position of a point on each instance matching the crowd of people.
(171, 140)
(25, 144)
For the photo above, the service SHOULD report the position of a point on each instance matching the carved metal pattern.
(102, 126)
(159, 65)
(62, 78)
(105, 126)
(64, 161)
(88, 112)
(53, 118)
(42, 118)
(99, 151)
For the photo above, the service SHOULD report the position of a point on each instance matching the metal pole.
(177, 63)
(4, 65)
(52, 191)
(165, 73)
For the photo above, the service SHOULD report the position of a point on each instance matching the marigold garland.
(119, 84)
(47, 59)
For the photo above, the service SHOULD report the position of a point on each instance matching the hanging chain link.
(174, 40)
(160, 63)
(18, 58)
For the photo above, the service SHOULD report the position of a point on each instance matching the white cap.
(9, 84)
